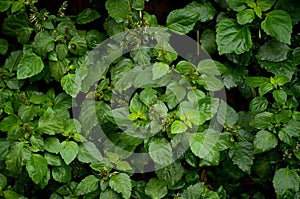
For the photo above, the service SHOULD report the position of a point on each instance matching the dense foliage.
(144, 113)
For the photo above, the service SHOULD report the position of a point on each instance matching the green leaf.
(87, 185)
(37, 168)
(62, 174)
(29, 65)
(16, 158)
(69, 151)
(286, 180)
(87, 16)
(178, 127)
(148, 96)
(50, 123)
(117, 9)
(258, 105)
(61, 51)
(94, 37)
(37, 142)
(265, 4)
(262, 120)
(232, 37)
(27, 113)
(265, 88)
(245, 16)
(109, 194)
(10, 123)
(208, 41)
(213, 83)
(205, 10)
(226, 115)
(4, 149)
(242, 155)
(236, 5)
(5, 5)
(274, 51)
(292, 128)
(71, 84)
(17, 6)
(171, 174)
(136, 106)
(156, 188)
(278, 24)
(121, 183)
(279, 80)
(210, 67)
(182, 21)
(286, 67)
(18, 25)
(160, 152)
(159, 69)
(123, 166)
(3, 181)
(58, 68)
(141, 56)
(204, 145)
(3, 46)
(54, 160)
(43, 43)
(207, 107)
(78, 45)
(280, 96)
(138, 4)
(256, 81)
(9, 194)
(194, 191)
(88, 152)
(264, 141)
(52, 145)
(175, 94)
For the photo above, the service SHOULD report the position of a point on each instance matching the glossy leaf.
(71, 84)
(62, 173)
(29, 65)
(37, 168)
(236, 5)
(193, 191)
(178, 127)
(182, 21)
(262, 120)
(242, 155)
(160, 152)
(264, 141)
(274, 51)
(232, 37)
(43, 43)
(205, 10)
(286, 180)
(280, 96)
(89, 184)
(245, 16)
(117, 9)
(69, 151)
(87, 16)
(204, 145)
(171, 174)
(3, 46)
(258, 104)
(278, 24)
(121, 183)
(159, 69)
(88, 152)
(156, 188)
